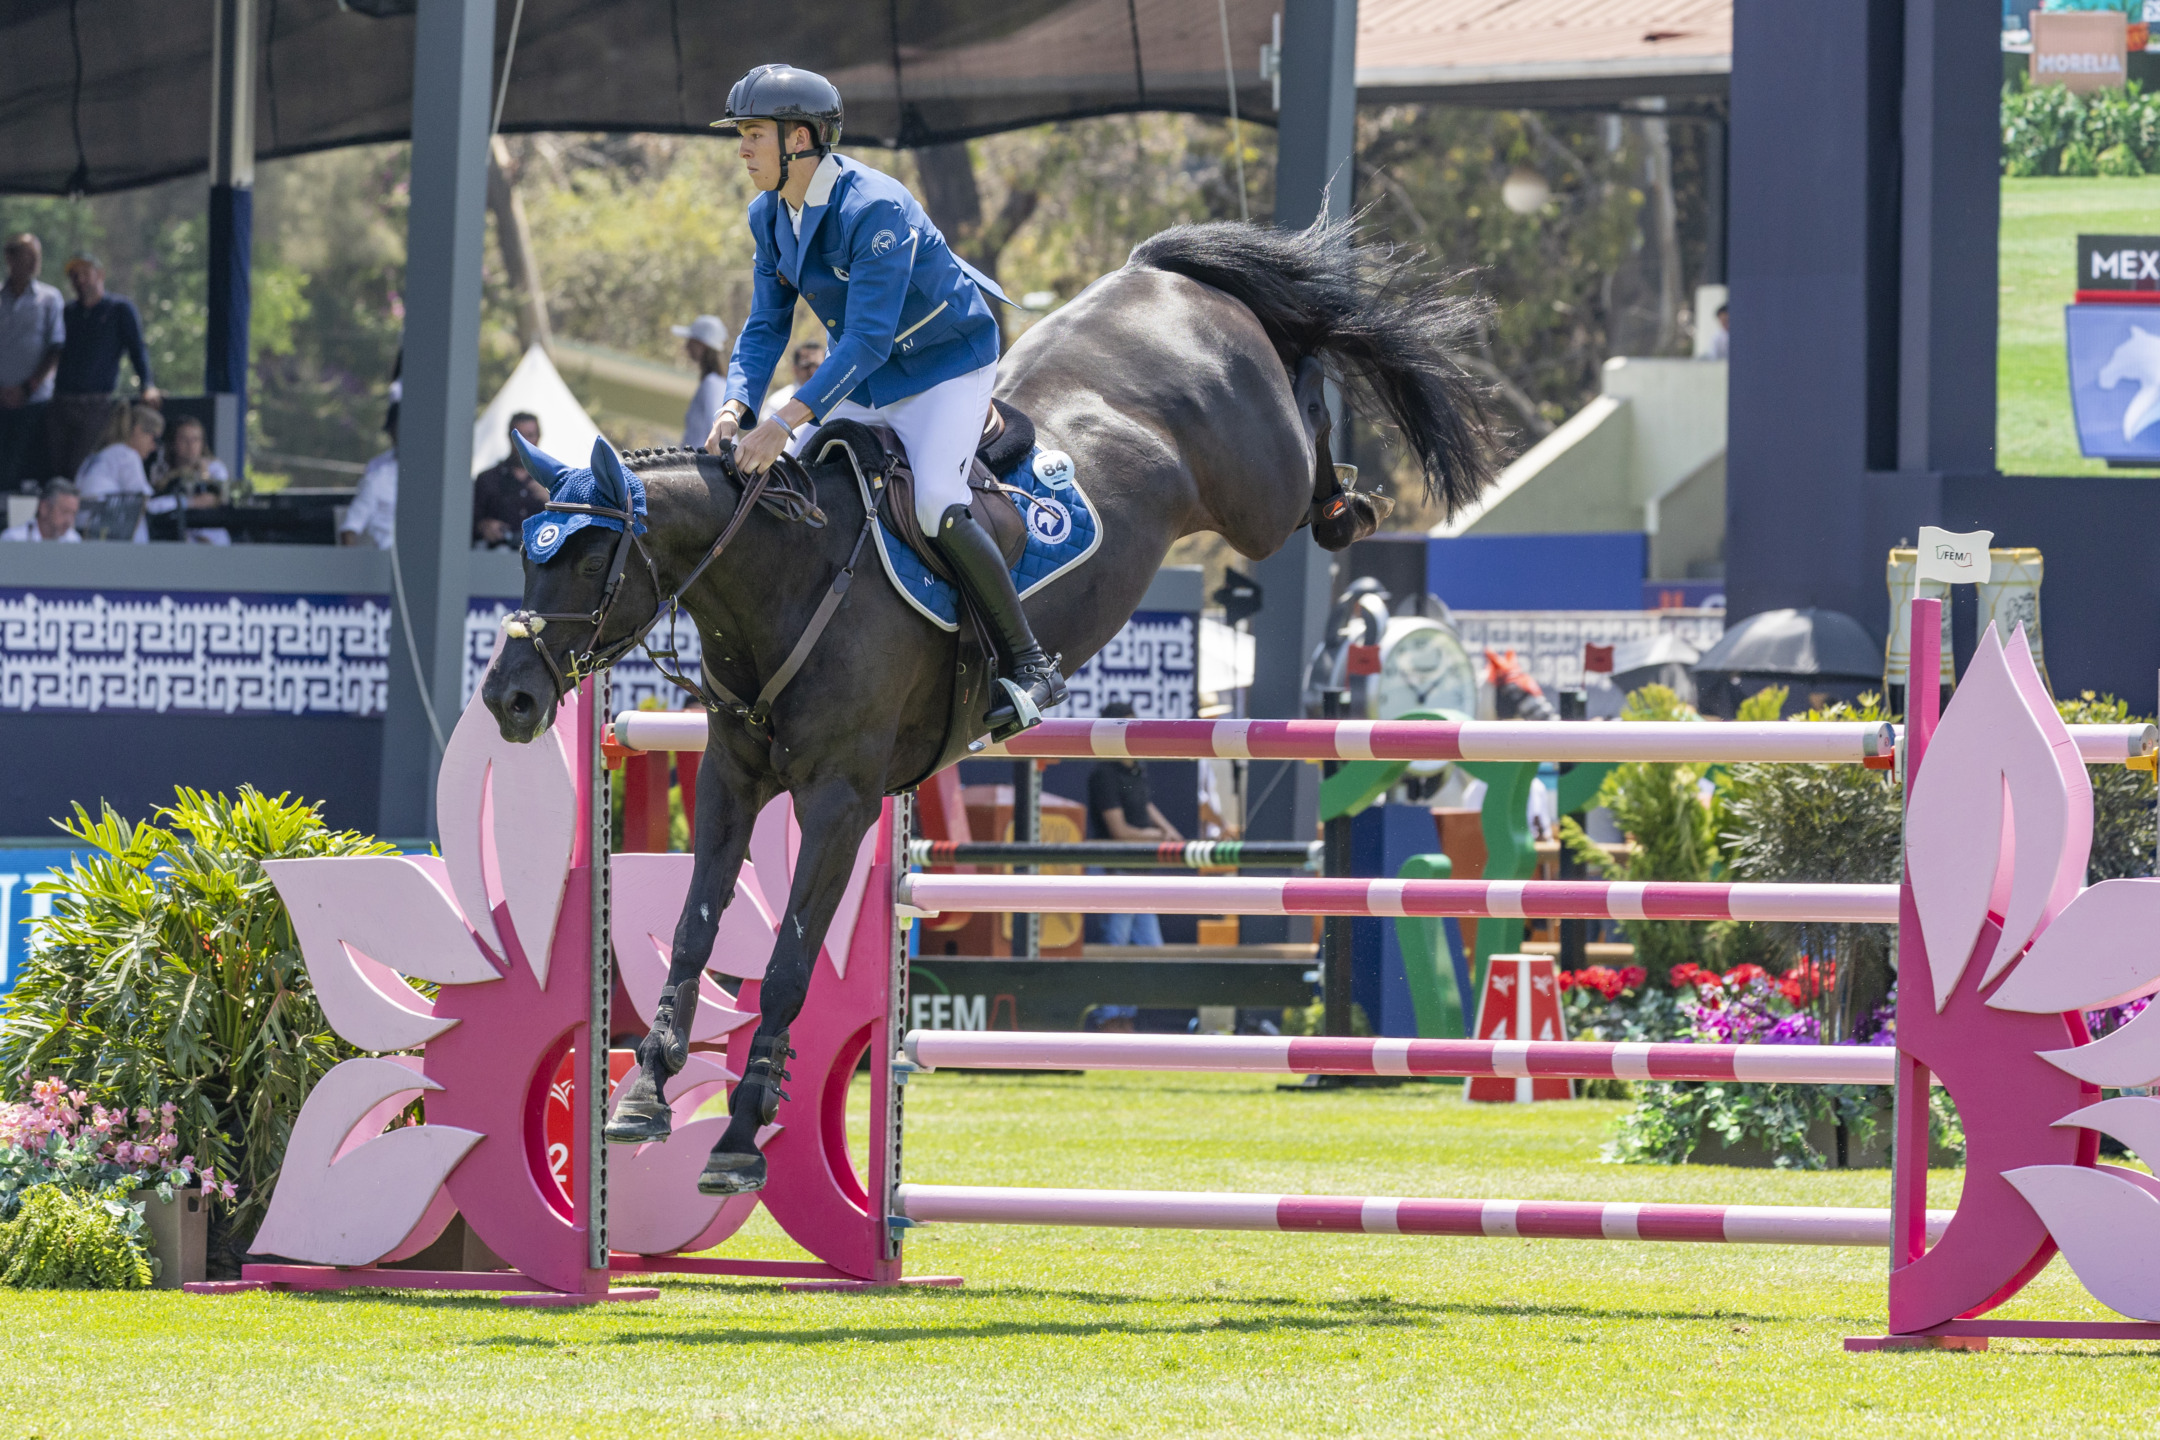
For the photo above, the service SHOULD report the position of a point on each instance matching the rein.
(786, 490)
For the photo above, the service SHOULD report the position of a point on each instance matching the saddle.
(878, 454)
(883, 464)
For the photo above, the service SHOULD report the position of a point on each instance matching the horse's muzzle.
(520, 695)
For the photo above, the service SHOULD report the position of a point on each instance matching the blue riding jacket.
(901, 311)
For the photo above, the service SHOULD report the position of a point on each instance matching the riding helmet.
(785, 96)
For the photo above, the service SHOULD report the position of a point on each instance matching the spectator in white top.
(31, 335)
(117, 469)
(372, 516)
(804, 361)
(705, 342)
(55, 518)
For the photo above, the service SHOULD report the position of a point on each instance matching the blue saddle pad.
(1061, 527)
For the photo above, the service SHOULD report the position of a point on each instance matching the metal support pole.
(1335, 930)
(890, 1171)
(1574, 934)
(594, 1084)
(232, 225)
(1027, 829)
(453, 44)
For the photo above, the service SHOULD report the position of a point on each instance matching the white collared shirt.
(821, 183)
(373, 511)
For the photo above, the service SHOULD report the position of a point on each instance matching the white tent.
(566, 431)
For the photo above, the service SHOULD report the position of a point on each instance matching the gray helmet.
(785, 96)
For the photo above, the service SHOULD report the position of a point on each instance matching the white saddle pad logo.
(1054, 468)
(547, 535)
(1049, 521)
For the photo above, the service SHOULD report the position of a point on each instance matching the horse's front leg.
(729, 798)
(833, 817)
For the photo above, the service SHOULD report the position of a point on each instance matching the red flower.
(1687, 972)
(1741, 976)
(1807, 979)
(1632, 977)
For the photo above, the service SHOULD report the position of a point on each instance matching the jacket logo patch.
(883, 243)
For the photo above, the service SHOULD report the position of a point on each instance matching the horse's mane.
(1383, 322)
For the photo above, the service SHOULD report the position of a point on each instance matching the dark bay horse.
(1188, 389)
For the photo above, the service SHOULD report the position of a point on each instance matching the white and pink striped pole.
(1534, 899)
(1386, 1215)
(1825, 743)
(1345, 1055)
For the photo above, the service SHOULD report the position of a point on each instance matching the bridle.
(785, 489)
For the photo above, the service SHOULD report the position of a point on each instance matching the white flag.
(1954, 559)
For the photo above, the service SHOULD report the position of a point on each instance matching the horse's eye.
(592, 565)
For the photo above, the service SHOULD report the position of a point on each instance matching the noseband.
(785, 489)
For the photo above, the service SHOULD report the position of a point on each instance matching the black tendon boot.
(643, 1115)
(735, 1166)
(1028, 680)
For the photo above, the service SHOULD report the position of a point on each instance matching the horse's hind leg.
(833, 817)
(729, 800)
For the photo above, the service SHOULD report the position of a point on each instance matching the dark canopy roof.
(913, 72)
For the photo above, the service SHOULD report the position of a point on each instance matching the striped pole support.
(1343, 1055)
(1352, 1215)
(1828, 742)
(1527, 899)
(1124, 854)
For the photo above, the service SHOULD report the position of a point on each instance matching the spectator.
(185, 468)
(504, 496)
(100, 329)
(372, 516)
(705, 342)
(1721, 338)
(117, 469)
(1120, 808)
(31, 332)
(807, 357)
(55, 518)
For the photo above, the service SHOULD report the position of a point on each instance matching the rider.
(913, 343)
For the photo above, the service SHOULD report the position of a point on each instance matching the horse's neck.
(751, 600)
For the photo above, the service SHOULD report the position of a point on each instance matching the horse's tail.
(1381, 321)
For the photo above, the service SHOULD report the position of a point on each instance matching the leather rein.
(785, 489)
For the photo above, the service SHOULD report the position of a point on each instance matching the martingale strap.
(757, 715)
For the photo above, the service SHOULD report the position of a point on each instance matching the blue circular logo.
(547, 537)
(1049, 521)
(884, 242)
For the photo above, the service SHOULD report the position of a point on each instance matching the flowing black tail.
(1382, 323)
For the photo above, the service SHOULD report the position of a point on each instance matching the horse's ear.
(538, 463)
(607, 468)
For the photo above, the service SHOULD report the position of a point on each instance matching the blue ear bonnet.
(605, 484)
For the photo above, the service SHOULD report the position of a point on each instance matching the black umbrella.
(1817, 652)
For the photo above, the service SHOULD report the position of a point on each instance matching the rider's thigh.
(841, 410)
(941, 429)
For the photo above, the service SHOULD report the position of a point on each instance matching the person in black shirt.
(1120, 808)
(101, 329)
(504, 496)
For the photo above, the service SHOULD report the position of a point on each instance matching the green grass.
(2041, 220)
(1068, 1332)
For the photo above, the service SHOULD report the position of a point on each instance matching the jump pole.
(1738, 742)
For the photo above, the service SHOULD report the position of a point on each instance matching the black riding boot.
(735, 1167)
(1028, 680)
(643, 1114)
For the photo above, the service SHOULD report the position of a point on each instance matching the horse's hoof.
(642, 1115)
(729, 1174)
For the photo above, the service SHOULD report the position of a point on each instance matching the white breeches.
(940, 429)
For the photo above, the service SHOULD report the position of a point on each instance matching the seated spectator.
(186, 470)
(1120, 808)
(705, 342)
(30, 334)
(55, 518)
(117, 469)
(100, 329)
(372, 516)
(804, 362)
(504, 496)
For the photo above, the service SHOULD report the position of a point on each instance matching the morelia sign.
(2080, 49)
(2118, 268)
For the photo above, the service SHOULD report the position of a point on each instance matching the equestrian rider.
(912, 343)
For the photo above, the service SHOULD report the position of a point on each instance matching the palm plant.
(169, 972)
